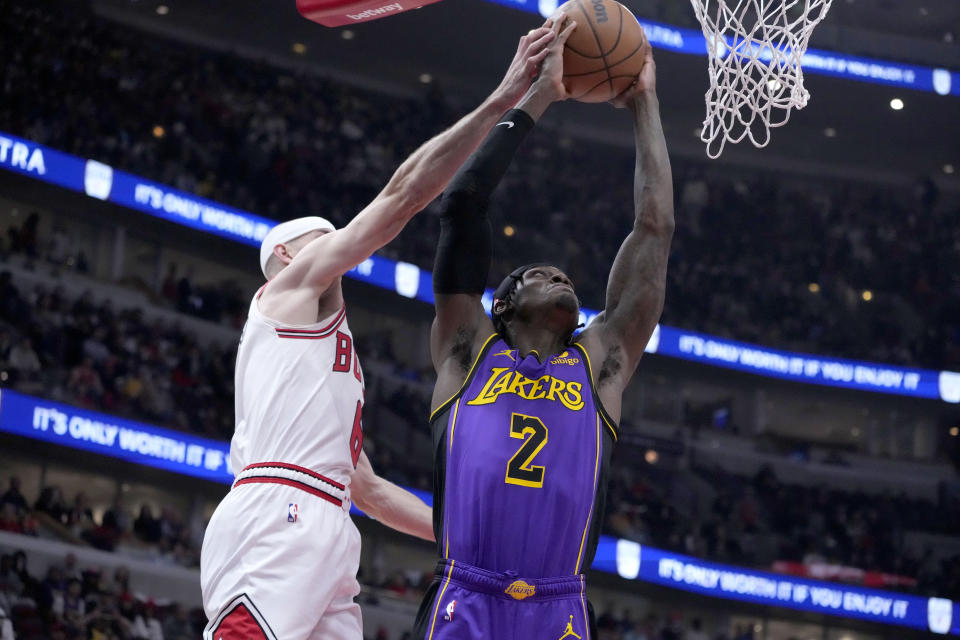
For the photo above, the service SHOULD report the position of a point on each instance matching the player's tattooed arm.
(389, 504)
(635, 290)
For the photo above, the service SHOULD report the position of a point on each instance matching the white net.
(755, 49)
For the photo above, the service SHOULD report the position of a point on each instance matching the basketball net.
(755, 48)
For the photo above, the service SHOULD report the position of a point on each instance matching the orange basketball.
(605, 53)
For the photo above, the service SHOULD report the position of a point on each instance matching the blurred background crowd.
(828, 266)
(758, 255)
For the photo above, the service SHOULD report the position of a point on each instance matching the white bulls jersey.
(299, 395)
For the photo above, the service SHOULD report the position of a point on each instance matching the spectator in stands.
(10, 519)
(146, 625)
(23, 359)
(696, 631)
(79, 517)
(177, 626)
(11, 587)
(53, 592)
(69, 569)
(51, 503)
(85, 384)
(13, 495)
(114, 525)
(106, 622)
(74, 605)
(146, 527)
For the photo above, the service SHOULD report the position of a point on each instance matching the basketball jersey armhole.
(608, 422)
(466, 382)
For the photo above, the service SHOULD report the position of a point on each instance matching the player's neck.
(542, 341)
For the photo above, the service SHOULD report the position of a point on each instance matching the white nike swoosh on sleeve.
(508, 123)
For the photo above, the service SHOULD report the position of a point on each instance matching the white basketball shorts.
(279, 559)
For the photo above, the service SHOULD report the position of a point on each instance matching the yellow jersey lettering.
(555, 386)
(517, 385)
(572, 399)
(538, 392)
(504, 380)
(487, 394)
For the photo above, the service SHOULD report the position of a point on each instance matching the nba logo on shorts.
(292, 512)
(450, 608)
(939, 615)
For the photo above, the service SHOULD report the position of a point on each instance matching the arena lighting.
(299, 48)
(867, 295)
(347, 34)
(103, 182)
(813, 287)
(651, 456)
(426, 78)
(162, 10)
(509, 230)
(159, 132)
(948, 169)
(896, 104)
(830, 132)
(954, 431)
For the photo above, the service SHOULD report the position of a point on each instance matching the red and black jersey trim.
(314, 334)
(290, 483)
(293, 467)
(240, 619)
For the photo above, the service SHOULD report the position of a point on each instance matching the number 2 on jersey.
(534, 433)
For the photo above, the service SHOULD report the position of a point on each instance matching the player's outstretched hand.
(646, 81)
(525, 67)
(550, 82)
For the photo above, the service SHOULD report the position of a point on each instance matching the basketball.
(605, 53)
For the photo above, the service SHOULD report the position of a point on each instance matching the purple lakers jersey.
(522, 452)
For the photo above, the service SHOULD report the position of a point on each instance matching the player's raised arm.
(463, 251)
(415, 183)
(635, 291)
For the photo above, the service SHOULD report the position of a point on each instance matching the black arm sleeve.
(463, 251)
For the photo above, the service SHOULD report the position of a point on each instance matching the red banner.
(337, 13)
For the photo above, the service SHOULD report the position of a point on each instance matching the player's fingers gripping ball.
(605, 53)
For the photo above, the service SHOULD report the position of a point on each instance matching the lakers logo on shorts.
(518, 590)
(569, 632)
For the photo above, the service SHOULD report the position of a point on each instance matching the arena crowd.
(760, 256)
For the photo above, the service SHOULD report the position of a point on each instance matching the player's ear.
(282, 254)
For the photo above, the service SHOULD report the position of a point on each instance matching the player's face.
(549, 289)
